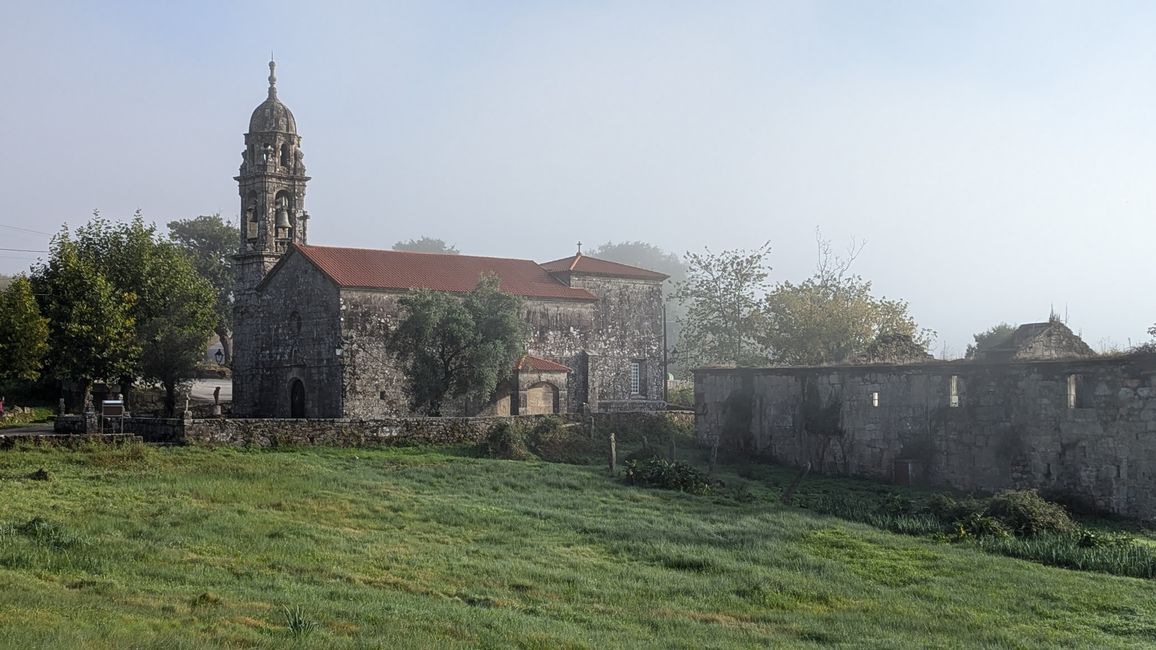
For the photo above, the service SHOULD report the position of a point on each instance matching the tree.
(90, 329)
(832, 316)
(170, 306)
(455, 346)
(211, 241)
(721, 295)
(894, 347)
(990, 338)
(23, 333)
(426, 245)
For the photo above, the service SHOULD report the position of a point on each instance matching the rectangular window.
(636, 373)
(874, 399)
(953, 392)
(1073, 385)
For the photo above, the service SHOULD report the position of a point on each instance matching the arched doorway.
(541, 399)
(296, 399)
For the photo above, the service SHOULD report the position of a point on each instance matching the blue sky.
(998, 158)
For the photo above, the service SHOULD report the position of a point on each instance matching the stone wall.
(384, 431)
(1082, 428)
(289, 332)
(628, 326)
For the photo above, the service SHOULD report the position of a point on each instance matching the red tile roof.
(402, 270)
(593, 266)
(528, 362)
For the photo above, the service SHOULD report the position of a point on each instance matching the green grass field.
(192, 547)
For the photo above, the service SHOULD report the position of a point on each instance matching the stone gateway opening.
(296, 399)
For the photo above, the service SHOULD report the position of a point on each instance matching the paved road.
(202, 390)
(31, 429)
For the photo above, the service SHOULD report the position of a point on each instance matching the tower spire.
(272, 77)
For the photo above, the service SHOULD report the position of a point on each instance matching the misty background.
(997, 158)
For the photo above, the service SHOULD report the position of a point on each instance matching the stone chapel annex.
(310, 322)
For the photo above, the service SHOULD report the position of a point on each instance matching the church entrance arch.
(541, 399)
(296, 399)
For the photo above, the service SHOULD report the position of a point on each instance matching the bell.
(283, 218)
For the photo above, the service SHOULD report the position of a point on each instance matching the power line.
(38, 232)
(22, 250)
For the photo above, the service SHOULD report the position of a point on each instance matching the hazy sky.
(998, 158)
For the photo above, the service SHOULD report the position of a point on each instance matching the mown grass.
(192, 548)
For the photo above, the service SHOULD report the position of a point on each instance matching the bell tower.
(272, 186)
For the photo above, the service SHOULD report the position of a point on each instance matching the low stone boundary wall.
(403, 431)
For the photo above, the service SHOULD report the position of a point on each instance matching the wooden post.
(613, 455)
(713, 455)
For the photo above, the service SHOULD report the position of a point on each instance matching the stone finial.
(579, 248)
(272, 77)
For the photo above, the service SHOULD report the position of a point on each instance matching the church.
(311, 322)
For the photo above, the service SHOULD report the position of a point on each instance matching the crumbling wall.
(1085, 428)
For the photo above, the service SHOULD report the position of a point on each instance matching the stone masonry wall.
(628, 326)
(290, 332)
(1083, 428)
(384, 431)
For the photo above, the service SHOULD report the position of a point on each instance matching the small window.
(875, 399)
(953, 392)
(1073, 391)
(636, 373)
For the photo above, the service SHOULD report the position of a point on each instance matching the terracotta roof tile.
(594, 266)
(528, 362)
(403, 270)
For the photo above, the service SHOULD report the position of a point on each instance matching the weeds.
(299, 624)
(660, 473)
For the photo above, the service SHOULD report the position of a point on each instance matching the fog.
(997, 158)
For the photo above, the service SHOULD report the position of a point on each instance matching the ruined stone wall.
(289, 331)
(628, 326)
(1082, 428)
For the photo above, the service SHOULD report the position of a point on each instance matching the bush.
(554, 441)
(978, 525)
(507, 440)
(950, 511)
(661, 473)
(1028, 514)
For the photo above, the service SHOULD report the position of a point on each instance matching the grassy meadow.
(354, 548)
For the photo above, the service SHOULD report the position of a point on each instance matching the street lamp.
(219, 357)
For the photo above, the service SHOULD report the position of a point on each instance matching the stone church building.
(310, 322)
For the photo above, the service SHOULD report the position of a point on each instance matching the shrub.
(555, 441)
(507, 440)
(661, 473)
(978, 525)
(1028, 514)
(950, 511)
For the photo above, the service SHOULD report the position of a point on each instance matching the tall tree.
(457, 346)
(426, 245)
(90, 327)
(173, 307)
(211, 242)
(721, 295)
(989, 338)
(833, 316)
(23, 333)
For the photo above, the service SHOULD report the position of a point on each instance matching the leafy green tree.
(722, 296)
(211, 242)
(990, 338)
(457, 346)
(23, 333)
(90, 326)
(426, 245)
(833, 317)
(172, 308)
(893, 347)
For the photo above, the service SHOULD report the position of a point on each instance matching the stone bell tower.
(272, 185)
